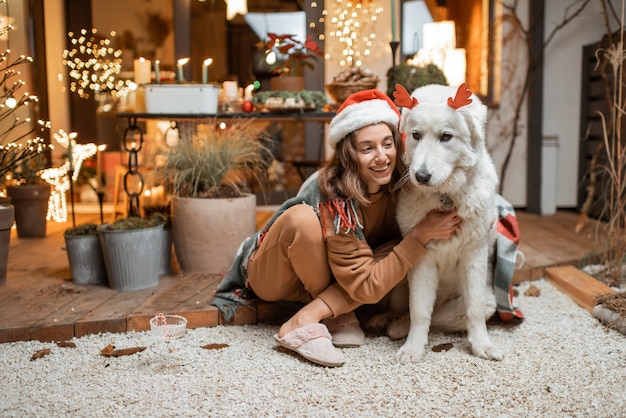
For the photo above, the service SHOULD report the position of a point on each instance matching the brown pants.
(291, 263)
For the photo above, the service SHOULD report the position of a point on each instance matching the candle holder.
(100, 194)
(394, 49)
(71, 176)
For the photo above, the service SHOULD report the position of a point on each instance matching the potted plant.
(210, 174)
(132, 250)
(14, 149)
(29, 193)
(84, 254)
(412, 77)
(287, 58)
(11, 155)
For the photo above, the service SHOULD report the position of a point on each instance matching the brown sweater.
(368, 270)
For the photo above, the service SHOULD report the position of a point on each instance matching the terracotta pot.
(287, 83)
(207, 232)
(6, 222)
(31, 207)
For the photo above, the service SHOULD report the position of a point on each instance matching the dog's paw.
(410, 354)
(488, 351)
(399, 327)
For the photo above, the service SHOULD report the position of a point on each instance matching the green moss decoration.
(412, 77)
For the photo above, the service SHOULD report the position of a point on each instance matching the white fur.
(451, 287)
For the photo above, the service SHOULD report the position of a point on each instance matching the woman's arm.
(368, 279)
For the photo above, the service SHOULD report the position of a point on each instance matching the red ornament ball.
(247, 106)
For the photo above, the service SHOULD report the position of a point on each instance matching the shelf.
(282, 116)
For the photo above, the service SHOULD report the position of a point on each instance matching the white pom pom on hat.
(366, 107)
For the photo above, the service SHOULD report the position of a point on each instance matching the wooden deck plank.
(582, 288)
(179, 290)
(85, 299)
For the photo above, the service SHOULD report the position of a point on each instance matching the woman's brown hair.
(339, 178)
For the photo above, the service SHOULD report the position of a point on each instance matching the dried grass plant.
(214, 161)
(610, 61)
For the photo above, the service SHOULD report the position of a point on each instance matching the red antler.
(402, 98)
(461, 98)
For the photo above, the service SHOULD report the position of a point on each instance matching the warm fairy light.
(58, 177)
(350, 22)
(93, 63)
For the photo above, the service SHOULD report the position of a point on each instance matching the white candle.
(248, 95)
(205, 70)
(179, 65)
(231, 89)
(143, 68)
(157, 73)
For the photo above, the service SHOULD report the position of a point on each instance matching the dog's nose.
(422, 178)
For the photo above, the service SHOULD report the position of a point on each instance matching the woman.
(336, 245)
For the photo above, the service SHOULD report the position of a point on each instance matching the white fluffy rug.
(560, 362)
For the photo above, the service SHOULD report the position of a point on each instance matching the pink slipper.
(345, 330)
(314, 343)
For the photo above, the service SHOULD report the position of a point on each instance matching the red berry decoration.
(247, 106)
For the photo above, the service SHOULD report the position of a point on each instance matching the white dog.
(451, 288)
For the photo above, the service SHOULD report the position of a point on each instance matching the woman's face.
(376, 155)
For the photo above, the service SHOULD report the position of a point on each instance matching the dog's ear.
(475, 114)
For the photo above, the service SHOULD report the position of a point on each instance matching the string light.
(93, 63)
(350, 22)
(58, 176)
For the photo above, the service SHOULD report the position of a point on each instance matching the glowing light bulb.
(270, 58)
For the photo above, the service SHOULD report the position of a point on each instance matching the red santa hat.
(366, 107)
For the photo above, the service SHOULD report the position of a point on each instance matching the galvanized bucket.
(132, 257)
(85, 258)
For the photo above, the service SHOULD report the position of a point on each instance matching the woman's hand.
(436, 225)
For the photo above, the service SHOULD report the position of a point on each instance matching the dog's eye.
(417, 136)
(445, 137)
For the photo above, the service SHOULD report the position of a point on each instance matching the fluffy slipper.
(313, 342)
(345, 330)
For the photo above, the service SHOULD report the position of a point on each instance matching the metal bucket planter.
(85, 257)
(132, 257)
(166, 251)
(6, 222)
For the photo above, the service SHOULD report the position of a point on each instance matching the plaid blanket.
(506, 253)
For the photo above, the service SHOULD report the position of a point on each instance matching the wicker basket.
(339, 91)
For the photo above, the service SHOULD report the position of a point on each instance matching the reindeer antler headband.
(402, 98)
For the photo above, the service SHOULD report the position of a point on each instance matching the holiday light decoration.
(59, 178)
(93, 64)
(350, 22)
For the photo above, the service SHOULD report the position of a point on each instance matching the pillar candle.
(143, 68)
(157, 73)
(179, 66)
(205, 70)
